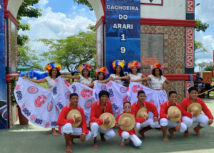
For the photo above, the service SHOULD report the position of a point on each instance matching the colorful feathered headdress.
(85, 66)
(134, 64)
(53, 65)
(157, 65)
(121, 63)
(103, 70)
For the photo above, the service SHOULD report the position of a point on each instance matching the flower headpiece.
(157, 65)
(121, 63)
(53, 65)
(134, 64)
(85, 66)
(103, 70)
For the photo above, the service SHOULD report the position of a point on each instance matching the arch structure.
(163, 31)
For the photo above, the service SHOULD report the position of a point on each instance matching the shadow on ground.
(34, 139)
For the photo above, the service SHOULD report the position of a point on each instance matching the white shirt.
(156, 83)
(117, 81)
(99, 80)
(83, 80)
(50, 83)
(136, 77)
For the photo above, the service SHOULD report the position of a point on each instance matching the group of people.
(72, 123)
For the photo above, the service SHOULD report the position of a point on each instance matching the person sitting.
(97, 109)
(194, 115)
(72, 123)
(143, 123)
(127, 127)
(171, 117)
(201, 85)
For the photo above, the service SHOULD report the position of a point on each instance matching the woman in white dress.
(54, 72)
(84, 78)
(156, 80)
(101, 74)
(134, 67)
(118, 66)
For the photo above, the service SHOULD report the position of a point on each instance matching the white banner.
(86, 98)
(36, 103)
(118, 95)
(97, 88)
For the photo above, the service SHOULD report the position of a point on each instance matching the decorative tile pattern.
(174, 47)
(190, 6)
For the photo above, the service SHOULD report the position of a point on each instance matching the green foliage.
(208, 68)
(26, 10)
(84, 2)
(72, 51)
(26, 56)
(200, 26)
(199, 47)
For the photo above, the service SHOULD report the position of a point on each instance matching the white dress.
(136, 77)
(117, 81)
(156, 83)
(50, 83)
(83, 80)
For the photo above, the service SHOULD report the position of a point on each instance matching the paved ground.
(33, 139)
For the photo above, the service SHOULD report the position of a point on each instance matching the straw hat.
(142, 113)
(174, 110)
(75, 113)
(129, 119)
(195, 107)
(111, 119)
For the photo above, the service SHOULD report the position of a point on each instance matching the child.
(132, 134)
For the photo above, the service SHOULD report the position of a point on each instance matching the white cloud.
(42, 3)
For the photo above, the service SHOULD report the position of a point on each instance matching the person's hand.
(124, 123)
(133, 80)
(174, 115)
(77, 119)
(178, 127)
(82, 137)
(24, 77)
(155, 119)
(111, 79)
(107, 121)
(210, 122)
(194, 113)
(62, 76)
(146, 117)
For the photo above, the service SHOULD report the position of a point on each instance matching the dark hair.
(192, 88)
(172, 92)
(88, 72)
(58, 73)
(73, 94)
(99, 74)
(103, 92)
(153, 72)
(140, 92)
(132, 72)
(121, 72)
(201, 79)
(127, 102)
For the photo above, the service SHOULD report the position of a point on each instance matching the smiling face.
(54, 72)
(101, 76)
(141, 97)
(193, 94)
(74, 100)
(118, 69)
(134, 70)
(85, 73)
(157, 72)
(104, 98)
(173, 98)
(127, 107)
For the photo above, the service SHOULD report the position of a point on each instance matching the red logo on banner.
(136, 88)
(109, 84)
(152, 101)
(94, 87)
(40, 101)
(47, 125)
(56, 80)
(85, 93)
(23, 106)
(125, 99)
(32, 117)
(66, 83)
(17, 87)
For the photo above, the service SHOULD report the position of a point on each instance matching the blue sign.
(122, 31)
(3, 95)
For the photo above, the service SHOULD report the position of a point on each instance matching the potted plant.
(22, 119)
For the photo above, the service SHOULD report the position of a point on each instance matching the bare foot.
(103, 139)
(95, 146)
(165, 139)
(197, 132)
(171, 133)
(54, 132)
(122, 144)
(72, 142)
(141, 132)
(68, 149)
(131, 142)
(186, 133)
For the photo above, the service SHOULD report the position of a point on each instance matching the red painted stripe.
(177, 77)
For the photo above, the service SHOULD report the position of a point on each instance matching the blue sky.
(62, 18)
